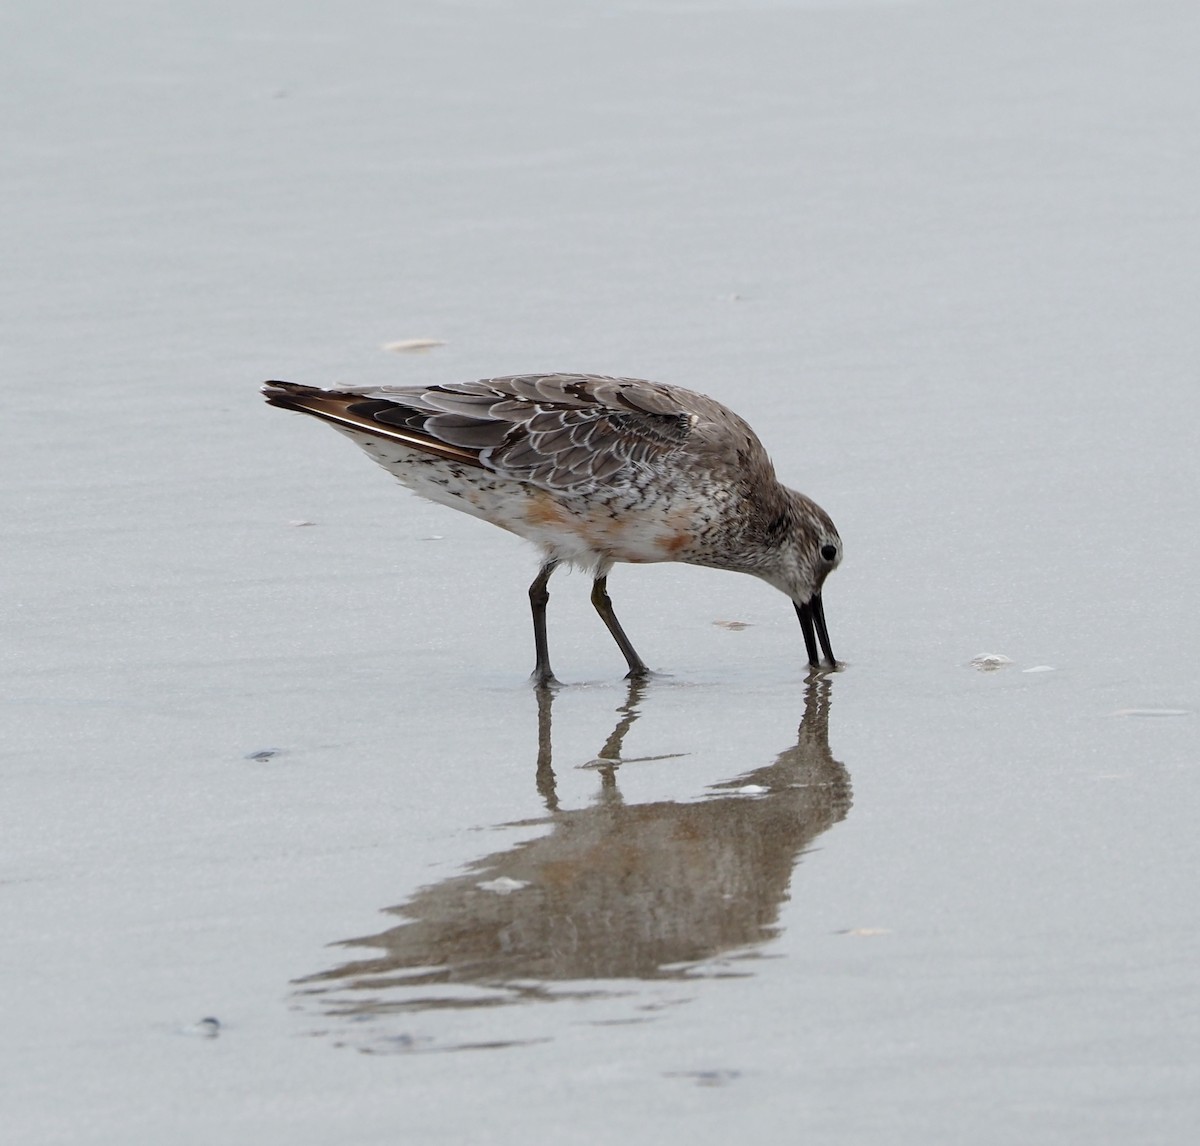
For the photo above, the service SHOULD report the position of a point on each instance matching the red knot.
(595, 470)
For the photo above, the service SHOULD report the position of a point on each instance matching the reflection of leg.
(610, 794)
(603, 605)
(545, 769)
(610, 754)
(539, 595)
(629, 710)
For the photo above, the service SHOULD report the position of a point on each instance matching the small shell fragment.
(990, 662)
(411, 345)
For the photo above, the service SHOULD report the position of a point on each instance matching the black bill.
(812, 625)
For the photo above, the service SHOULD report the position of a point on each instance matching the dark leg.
(539, 595)
(603, 605)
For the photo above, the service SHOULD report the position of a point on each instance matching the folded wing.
(568, 433)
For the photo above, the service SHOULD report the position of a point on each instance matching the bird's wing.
(567, 433)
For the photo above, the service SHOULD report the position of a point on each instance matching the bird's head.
(807, 548)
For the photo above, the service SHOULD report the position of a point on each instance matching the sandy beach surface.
(292, 853)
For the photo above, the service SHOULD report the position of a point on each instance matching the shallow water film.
(293, 850)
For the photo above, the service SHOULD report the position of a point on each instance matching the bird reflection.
(613, 890)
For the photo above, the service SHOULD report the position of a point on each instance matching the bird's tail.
(356, 412)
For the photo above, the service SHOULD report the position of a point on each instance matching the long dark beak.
(812, 625)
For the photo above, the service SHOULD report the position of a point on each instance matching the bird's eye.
(829, 552)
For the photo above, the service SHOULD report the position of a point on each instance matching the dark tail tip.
(284, 393)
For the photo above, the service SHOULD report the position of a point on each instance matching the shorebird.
(595, 470)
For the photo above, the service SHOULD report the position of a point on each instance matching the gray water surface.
(613, 895)
(270, 753)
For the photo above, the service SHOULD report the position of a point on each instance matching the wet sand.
(270, 752)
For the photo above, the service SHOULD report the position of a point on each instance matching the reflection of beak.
(812, 624)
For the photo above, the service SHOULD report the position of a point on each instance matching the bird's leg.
(539, 595)
(603, 605)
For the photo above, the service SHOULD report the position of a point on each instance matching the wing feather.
(567, 433)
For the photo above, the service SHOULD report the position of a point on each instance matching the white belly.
(584, 531)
